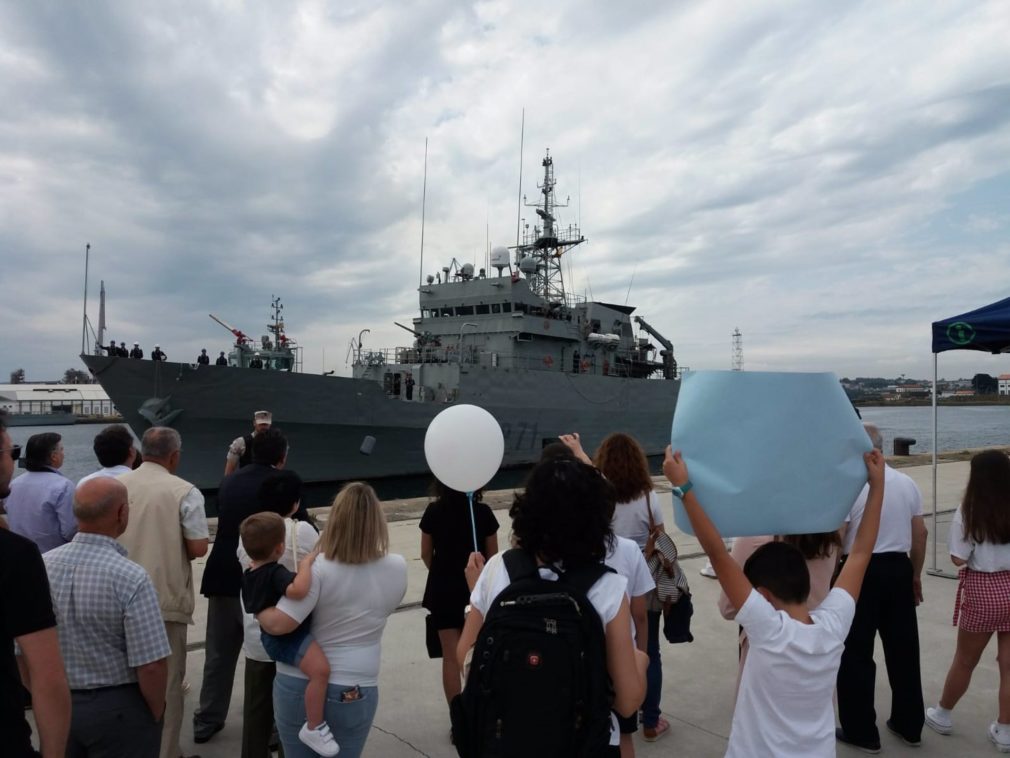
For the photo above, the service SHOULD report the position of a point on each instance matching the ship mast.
(539, 256)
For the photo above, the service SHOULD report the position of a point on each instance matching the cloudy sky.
(828, 177)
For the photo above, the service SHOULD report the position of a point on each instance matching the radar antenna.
(542, 249)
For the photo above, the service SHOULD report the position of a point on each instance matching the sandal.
(653, 733)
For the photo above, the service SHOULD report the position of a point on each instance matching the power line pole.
(737, 350)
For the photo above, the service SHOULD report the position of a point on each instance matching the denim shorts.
(287, 648)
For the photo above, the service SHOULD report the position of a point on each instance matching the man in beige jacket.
(167, 530)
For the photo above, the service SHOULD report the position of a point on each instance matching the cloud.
(822, 176)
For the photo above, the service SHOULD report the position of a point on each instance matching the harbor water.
(960, 427)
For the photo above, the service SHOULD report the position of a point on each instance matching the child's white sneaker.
(999, 734)
(938, 719)
(319, 739)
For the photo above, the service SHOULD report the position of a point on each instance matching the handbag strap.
(648, 510)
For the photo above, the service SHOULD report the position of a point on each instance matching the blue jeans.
(349, 722)
(654, 674)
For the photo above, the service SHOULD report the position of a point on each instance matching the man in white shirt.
(115, 451)
(892, 589)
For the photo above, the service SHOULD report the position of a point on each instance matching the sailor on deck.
(203, 359)
(221, 360)
(136, 352)
(240, 450)
(157, 355)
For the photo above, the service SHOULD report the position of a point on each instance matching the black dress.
(448, 522)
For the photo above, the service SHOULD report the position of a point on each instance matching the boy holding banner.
(784, 705)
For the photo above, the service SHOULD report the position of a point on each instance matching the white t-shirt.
(981, 556)
(110, 471)
(299, 540)
(625, 557)
(605, 595)
(902, 501)
(349, 604)
(784, 704)
(632, 521)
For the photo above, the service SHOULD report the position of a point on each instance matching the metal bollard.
(902, 444)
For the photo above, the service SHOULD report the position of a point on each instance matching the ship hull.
(327, 418)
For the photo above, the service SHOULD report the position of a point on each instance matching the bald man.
(111, 633)
(167, 531)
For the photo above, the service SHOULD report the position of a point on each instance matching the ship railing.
(465, 354)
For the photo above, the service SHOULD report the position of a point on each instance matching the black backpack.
(538, 682)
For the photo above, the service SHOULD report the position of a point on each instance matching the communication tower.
(737, 350)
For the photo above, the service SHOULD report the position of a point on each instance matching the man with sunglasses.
(26, 617)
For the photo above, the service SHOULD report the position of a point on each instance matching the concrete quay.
(698, 678)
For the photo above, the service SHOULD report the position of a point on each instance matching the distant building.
(1004, 384)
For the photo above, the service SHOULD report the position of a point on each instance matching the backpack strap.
(519, 564)
(582, 578)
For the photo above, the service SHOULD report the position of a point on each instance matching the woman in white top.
(980, 544)
(356, 585)
(562, 519)
(280, 493)
(621, 459)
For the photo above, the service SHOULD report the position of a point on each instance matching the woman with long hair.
(446, 543)
(562, 519)
(638, 517)
(979, 543)
(356, 585)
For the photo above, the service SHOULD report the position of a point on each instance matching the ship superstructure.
(520, 318)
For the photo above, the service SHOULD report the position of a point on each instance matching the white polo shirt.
(902, 501)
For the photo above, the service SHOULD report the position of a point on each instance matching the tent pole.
(935, 533)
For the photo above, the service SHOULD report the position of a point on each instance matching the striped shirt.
(107, 613)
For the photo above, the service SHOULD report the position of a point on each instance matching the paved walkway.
(698, 686)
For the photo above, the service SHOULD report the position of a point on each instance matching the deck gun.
(424, 339)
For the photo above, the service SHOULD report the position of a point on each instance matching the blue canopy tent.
(987, 329)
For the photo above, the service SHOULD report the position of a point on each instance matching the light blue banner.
(769, 453)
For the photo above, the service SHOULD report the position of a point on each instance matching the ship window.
(483, 310)
(495, 308)
(464, 310)
(506, 307)
(447, 311)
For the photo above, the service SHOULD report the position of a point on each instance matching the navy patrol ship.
(543, 361)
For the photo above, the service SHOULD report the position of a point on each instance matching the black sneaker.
(867, 747)
(204, 732)
(910, 742)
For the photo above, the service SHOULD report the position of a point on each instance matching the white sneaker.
(938, 722)
(319, 739)
(999, 735)
(708, 571)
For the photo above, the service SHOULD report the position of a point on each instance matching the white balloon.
(464, 446)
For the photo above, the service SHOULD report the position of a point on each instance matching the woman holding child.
(355, 586)
(979, 543)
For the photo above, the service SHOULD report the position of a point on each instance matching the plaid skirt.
(983, 601)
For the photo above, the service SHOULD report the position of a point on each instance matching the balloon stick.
(473, 522)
